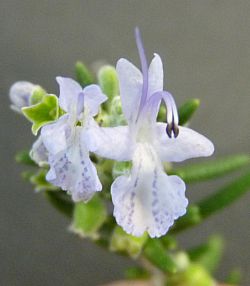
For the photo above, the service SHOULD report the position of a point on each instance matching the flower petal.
(20, 93)
(93, 98)
(69, 94)
(155, 75)
(130, 81)
(188, 144)
(148, 199)
(55, 135)
(72, 170)
(110, 142)
(39, 153)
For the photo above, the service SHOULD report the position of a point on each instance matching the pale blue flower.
(147, 200)
(20, 93)
(67, 144)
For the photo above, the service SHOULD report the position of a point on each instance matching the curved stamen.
(144, 68)
(172, 113)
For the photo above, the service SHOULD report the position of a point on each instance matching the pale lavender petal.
(20, 93)
(55, 135)
(130, 82)
(188, 144)
(110, 142)
(72, 170)
(148, 200)
(69, 94)
(39, 153)
(155, 74)
(93, 98)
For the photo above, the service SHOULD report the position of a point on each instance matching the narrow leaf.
(23, 157)
(211, 169)
(225, 196)
(108, 80)
(83, 75)
(61, 201)
(136, 273)
(208, 254)
(154, 251)
(187, 110)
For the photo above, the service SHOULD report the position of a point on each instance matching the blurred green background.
(205, 47)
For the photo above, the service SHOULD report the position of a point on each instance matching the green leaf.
(42, 113)
(136, 273)
(191, 218)
(211, 169)
(83, 75)
(209, 254)
(61, 201)
(23, 157)
(89, 217)
(154, 251)
(187, 110)
(108, 80)
(225, 196)
(126, 243)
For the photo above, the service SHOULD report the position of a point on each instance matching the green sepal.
(37, 95)
(23, 157)
(108, 81)
(211, 169)
(40, 182)
(61, 201)
(194, 275)
(209, 254)
(89, 217)
(127, 244)
(43, 112)
(121, 168)
(83, 75)
(187, 110)
(225, 196)
(132, 273)
(191, 218)
(154, 251)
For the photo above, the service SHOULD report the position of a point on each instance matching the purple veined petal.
(93, 98)
(188, 144)
(130, 83)
(55, 135)
(144, 68)
(72, 170)
(113, 143)
(39, 153)
(155, 76)
(148, 200)
(69, 94)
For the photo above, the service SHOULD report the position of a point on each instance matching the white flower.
(147, 199)
(67, 144)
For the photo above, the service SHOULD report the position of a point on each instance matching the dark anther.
(176, 130)
(169, 129)
(172, 128)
